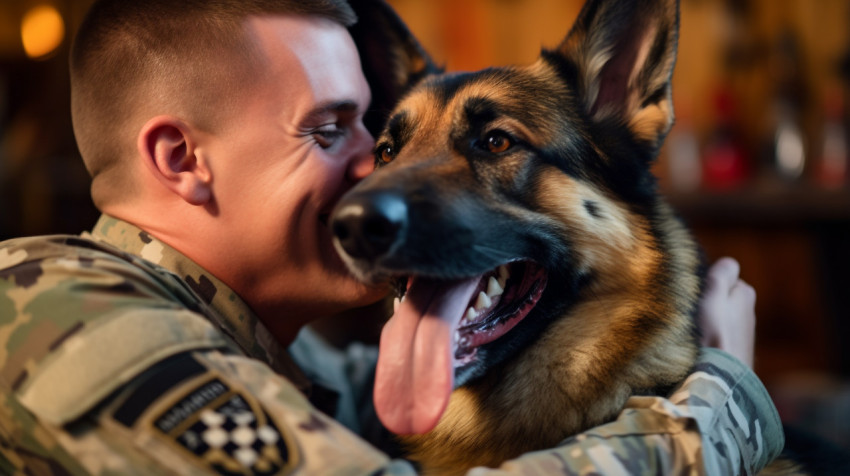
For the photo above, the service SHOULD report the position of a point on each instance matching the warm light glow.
(42, 31)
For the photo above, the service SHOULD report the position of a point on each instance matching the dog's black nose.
(369, 226)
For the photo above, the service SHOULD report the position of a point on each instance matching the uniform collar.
(222, 305)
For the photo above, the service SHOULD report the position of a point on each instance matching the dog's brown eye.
(385, 154)
(498, 142)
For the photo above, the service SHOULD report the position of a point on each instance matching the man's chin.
(371, 294)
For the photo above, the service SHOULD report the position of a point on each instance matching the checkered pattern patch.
(230, 435)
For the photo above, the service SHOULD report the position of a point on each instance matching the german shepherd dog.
(545, 280)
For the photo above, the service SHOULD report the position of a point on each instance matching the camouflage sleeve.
(202, 412)
(106, 370)
(209, 412)
(719, 421)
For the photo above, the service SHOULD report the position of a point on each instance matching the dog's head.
(505, 196)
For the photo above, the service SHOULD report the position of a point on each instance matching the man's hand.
(727, 312)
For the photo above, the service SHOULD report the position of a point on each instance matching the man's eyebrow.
(319, 112)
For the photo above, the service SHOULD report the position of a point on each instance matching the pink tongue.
(415, 373)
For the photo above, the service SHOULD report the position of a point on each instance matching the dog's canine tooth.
(396, 303)
(494, 288)
(470, 315)
(483, 301)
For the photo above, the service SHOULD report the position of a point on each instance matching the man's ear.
(169, 153)
(392, 59)
(623, 52)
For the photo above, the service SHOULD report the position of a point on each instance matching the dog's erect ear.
(624, 52)
(392, 59)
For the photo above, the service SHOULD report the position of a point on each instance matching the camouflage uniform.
(121, 356)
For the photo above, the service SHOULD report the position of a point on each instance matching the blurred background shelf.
(764, 203)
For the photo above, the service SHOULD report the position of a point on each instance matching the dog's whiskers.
(492, 253)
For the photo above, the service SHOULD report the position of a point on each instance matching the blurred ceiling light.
(42, 31)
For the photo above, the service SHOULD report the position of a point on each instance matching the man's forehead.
(302, 37)
(293, 28)
(314, 56)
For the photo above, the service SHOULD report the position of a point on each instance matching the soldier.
(219, 136)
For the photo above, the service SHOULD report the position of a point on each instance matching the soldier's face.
(285, 158)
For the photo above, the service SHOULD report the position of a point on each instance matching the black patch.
(156, 381)
(145, 237)
(592, 208)
(228, 431)
(25, 274)
(204, 287)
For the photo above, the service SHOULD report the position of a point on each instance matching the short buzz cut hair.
(194, 55)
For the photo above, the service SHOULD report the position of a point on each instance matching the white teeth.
(396, 303)
(494, 288)
(470, 315)
(461, 341)
(483, 301)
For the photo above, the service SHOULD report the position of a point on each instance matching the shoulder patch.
(227, 430)
(104, 356)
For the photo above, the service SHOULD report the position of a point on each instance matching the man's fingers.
(745, 292)
(723, 275)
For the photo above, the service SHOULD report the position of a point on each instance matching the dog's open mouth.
(503, 298)
(439, 326)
